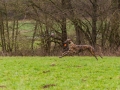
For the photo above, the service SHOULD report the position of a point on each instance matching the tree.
(2, 34)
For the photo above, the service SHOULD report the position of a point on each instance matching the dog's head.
(65, 44)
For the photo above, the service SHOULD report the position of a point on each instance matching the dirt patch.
(53, 64)
(46, 71)
(2, 86)
(77, 66)
(49, 85)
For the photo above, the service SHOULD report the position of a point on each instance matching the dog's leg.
(100, 56)
(64, 54)
(69, 52)
(93, 53)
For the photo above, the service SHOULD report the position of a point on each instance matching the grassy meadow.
(53, 73)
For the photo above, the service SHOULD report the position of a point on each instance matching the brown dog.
(73, 48)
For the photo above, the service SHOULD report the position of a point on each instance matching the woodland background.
(39, 27)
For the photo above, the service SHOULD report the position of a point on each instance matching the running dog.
(74, 49)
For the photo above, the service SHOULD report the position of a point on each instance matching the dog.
(74, 49)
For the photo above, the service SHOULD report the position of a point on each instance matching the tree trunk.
(16, 36)
(2, 34)
(33, 37)
(63, 23)
(7, 29)
(94, 21)
(79, 33)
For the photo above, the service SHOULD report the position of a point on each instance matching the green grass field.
(53, 73)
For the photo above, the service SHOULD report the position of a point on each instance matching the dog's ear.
(70, 42)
